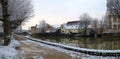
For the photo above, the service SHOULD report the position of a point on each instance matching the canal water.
(106, 43)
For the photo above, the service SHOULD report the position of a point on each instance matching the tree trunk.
(6, 22)
(7, 32)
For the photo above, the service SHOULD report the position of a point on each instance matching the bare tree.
(103, 24)
(42, 26)
(95, 24)
(113, 6)
(87, 20)
(13, 13)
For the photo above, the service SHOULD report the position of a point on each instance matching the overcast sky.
(61, 11)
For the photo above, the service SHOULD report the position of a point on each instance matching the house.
(34, 29)
(74, 27)
(50, 30)
(47, 29)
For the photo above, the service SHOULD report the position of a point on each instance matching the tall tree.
(13, 13)
(95, 24)
(42, 26)
(103, 24)
(113, 6)
(87, 20)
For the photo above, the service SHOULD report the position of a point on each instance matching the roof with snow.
(75, 25)
(75, 22)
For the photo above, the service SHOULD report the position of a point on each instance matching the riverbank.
(114, 53)
(32, 50)
(76, 35)
(66, 54)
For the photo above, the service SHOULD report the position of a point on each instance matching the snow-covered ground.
(9, 52)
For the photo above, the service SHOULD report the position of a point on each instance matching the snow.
(37, 57)
(9, 52)
(71, 26)
(76, 26)
(14, 43)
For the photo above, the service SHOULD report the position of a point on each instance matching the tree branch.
(1, 20)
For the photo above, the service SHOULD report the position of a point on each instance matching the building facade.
(34, 30)
(74, 27)
(112, 23)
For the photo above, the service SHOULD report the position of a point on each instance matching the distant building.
(73, 27)
(34, 29)
(112, 23)
(47, 29)
(51, 30)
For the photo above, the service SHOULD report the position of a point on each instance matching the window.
(114, 19)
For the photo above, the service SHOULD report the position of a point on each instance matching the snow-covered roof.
(56, 26)
(51, 30)
(75, 25)
(71, 26)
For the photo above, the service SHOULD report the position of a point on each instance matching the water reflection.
(90, 43)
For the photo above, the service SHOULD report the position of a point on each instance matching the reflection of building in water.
(69, 42)
(92, 43)
(89, 43)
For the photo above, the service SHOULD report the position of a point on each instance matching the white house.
(73, 27)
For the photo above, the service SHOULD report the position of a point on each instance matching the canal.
(106, 43)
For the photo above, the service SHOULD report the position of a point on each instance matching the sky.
(56, 12)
